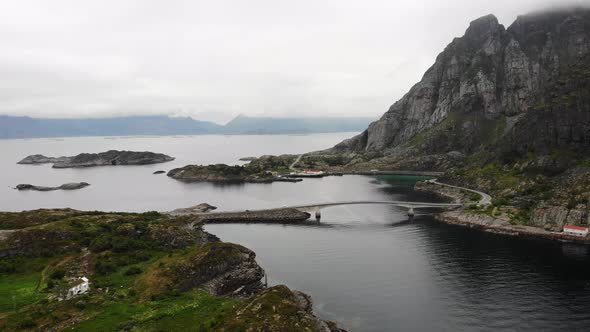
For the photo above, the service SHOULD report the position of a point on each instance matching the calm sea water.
(366, 267)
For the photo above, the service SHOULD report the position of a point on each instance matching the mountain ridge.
(479, 86)
(28, 127)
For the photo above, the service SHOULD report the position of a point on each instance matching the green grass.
(110, 316)
(195, 308)
(119, 277)
(19, 290)
(191, 309)
(471, 196)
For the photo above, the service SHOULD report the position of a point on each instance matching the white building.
(81, 286)
(575, 230)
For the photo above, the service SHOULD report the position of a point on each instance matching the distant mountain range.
(27, 127)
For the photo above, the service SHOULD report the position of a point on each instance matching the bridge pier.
(318, 215)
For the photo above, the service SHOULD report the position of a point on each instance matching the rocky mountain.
(505, 111)
(511, 91)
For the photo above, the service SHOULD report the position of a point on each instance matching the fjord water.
(367, 267)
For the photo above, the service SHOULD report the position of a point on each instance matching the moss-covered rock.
(276, 309)
(221, 268)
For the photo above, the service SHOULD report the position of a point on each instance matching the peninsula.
(64, 268)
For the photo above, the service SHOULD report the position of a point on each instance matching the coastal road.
(292, 166)
(485, 198)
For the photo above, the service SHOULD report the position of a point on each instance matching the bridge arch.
(410, 206)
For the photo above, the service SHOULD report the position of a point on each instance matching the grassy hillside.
(147, 272)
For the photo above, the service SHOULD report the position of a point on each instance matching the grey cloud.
(216, 59)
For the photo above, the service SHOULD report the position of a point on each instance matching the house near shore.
(575, 230)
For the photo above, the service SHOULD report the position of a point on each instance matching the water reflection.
(384, 273)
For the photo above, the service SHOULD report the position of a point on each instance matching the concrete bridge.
(411, 173)
(316, 208)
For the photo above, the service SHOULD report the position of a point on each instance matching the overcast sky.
(216, 59)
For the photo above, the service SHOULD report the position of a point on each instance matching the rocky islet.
(108, 158)
(65, 186)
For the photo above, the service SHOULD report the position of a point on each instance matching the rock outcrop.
(195, 209)
(237, 275)
(221, 268)
(65, 186)
(278, 309)
(108, 158)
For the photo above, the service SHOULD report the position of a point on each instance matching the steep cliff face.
(560, 120)
(480, 86)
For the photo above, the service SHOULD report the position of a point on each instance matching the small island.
(65, 186)
(264, 169)
(223, 173)
(108, 158)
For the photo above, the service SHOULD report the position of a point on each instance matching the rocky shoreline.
(490, 224)
(478, 220)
